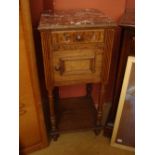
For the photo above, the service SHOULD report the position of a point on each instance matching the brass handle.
(57, 68)
(60, 67)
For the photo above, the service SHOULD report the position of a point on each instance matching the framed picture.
(124, 127)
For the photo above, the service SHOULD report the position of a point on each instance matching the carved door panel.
(77, 65)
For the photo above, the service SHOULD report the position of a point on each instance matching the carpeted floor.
(81, 143)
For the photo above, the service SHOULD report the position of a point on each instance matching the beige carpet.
(81, 143)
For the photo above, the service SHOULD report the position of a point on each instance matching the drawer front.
(76, 66)
(76, 37)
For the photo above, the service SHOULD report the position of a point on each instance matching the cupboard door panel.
(32, 131)
(77, 65)
(28, 114)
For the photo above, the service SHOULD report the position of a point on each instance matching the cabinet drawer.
(78, 36)
(77, 66)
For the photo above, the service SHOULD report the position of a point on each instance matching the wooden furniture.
(77, 49)
(124, 128)
(127, 48)
(32, 131)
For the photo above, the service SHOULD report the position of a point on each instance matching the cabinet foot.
(55, 136)
(97, 131)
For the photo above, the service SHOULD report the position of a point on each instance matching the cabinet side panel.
(109, 39)
(45, 38)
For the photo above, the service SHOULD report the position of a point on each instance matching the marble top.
(77, 18)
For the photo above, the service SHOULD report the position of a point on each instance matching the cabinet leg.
(54, 133)
(99, 127)
(97, 131)
(56, 98)
(89, 89)
(56, 94)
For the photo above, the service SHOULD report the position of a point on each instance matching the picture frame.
(123, 135)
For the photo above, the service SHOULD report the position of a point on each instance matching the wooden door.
(79, 65)
(32, 131)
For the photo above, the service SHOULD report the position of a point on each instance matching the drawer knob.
(78, 37)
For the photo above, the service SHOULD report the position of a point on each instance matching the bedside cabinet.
(77, 49)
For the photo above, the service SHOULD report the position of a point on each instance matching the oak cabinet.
(77, 49)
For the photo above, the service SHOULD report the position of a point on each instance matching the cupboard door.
(32, 130)
(79, 65)
(29, 127)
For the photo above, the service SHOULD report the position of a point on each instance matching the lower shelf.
(74, 114)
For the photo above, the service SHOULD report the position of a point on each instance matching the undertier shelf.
(74, 114)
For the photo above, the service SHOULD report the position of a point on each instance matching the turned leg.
(98, 127)
(89, 89)
(54, 132)
(56, 97)
(56, 94)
